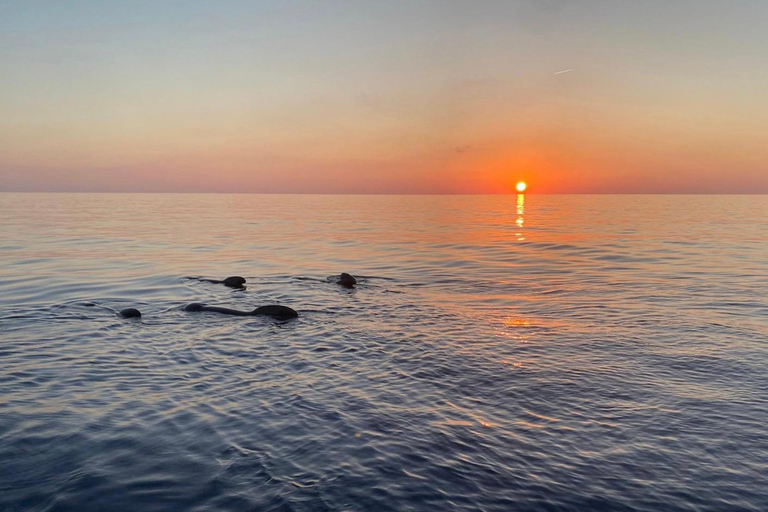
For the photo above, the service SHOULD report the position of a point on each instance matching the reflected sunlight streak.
(520, 212)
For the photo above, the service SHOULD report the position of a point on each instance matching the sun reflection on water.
(520, 212)
(516, 322)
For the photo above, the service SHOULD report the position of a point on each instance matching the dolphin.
(343, 279)
(273, 310)
(232, 281)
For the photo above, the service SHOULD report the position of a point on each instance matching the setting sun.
(521, 186)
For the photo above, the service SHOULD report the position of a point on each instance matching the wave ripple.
(550, 353)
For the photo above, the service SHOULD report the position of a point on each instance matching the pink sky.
(425, 98)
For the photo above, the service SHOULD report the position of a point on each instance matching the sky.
(425, 97)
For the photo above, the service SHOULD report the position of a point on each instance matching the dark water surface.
(540, 353)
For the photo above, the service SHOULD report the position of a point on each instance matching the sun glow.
(521, 186)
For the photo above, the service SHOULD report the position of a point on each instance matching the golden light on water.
(521, 186)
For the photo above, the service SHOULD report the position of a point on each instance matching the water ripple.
(605, 354)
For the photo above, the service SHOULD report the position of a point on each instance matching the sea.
(499, 353)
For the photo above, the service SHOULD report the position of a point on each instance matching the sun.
(521, 186)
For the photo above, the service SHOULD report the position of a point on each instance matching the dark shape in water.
(344, 279)
(232, 281)
(130, 313)
(275, 311)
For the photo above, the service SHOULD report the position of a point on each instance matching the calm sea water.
(504, 353)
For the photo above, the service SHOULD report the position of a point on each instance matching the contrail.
(563, 71)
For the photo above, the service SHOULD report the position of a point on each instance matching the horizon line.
(513, 193)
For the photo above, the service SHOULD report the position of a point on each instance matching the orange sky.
(430, 97)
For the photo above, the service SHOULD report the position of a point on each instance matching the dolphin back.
(276, 311)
